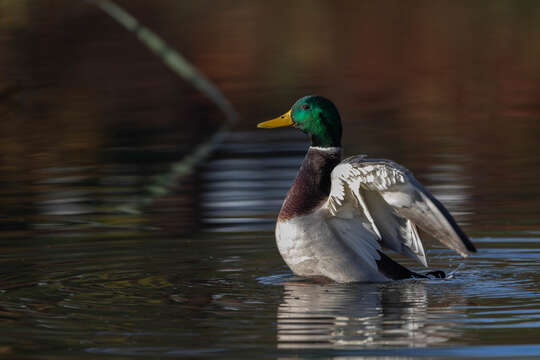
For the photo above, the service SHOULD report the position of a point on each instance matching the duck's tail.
(396, 271)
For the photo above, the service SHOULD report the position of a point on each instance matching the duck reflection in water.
(400, 314)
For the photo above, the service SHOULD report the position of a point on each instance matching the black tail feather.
(396, 271)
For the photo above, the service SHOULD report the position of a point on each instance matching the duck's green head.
(316, 116)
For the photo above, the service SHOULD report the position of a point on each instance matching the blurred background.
(444, 77)
(90, 120)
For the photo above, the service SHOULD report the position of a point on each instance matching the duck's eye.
(306, 107)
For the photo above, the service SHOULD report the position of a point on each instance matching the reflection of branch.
(179, 65)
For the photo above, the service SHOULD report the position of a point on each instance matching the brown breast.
(312, 184)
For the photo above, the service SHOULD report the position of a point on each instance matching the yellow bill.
(283, 120)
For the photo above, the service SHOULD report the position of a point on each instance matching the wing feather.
(394, 202)
(396, 232)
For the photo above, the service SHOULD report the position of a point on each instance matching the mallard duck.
(339, 214)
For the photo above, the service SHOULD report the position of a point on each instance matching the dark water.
(91, 121)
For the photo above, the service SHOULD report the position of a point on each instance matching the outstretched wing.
(393, 202)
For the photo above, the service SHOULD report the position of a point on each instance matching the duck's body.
(312, 241)
(339, 214)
